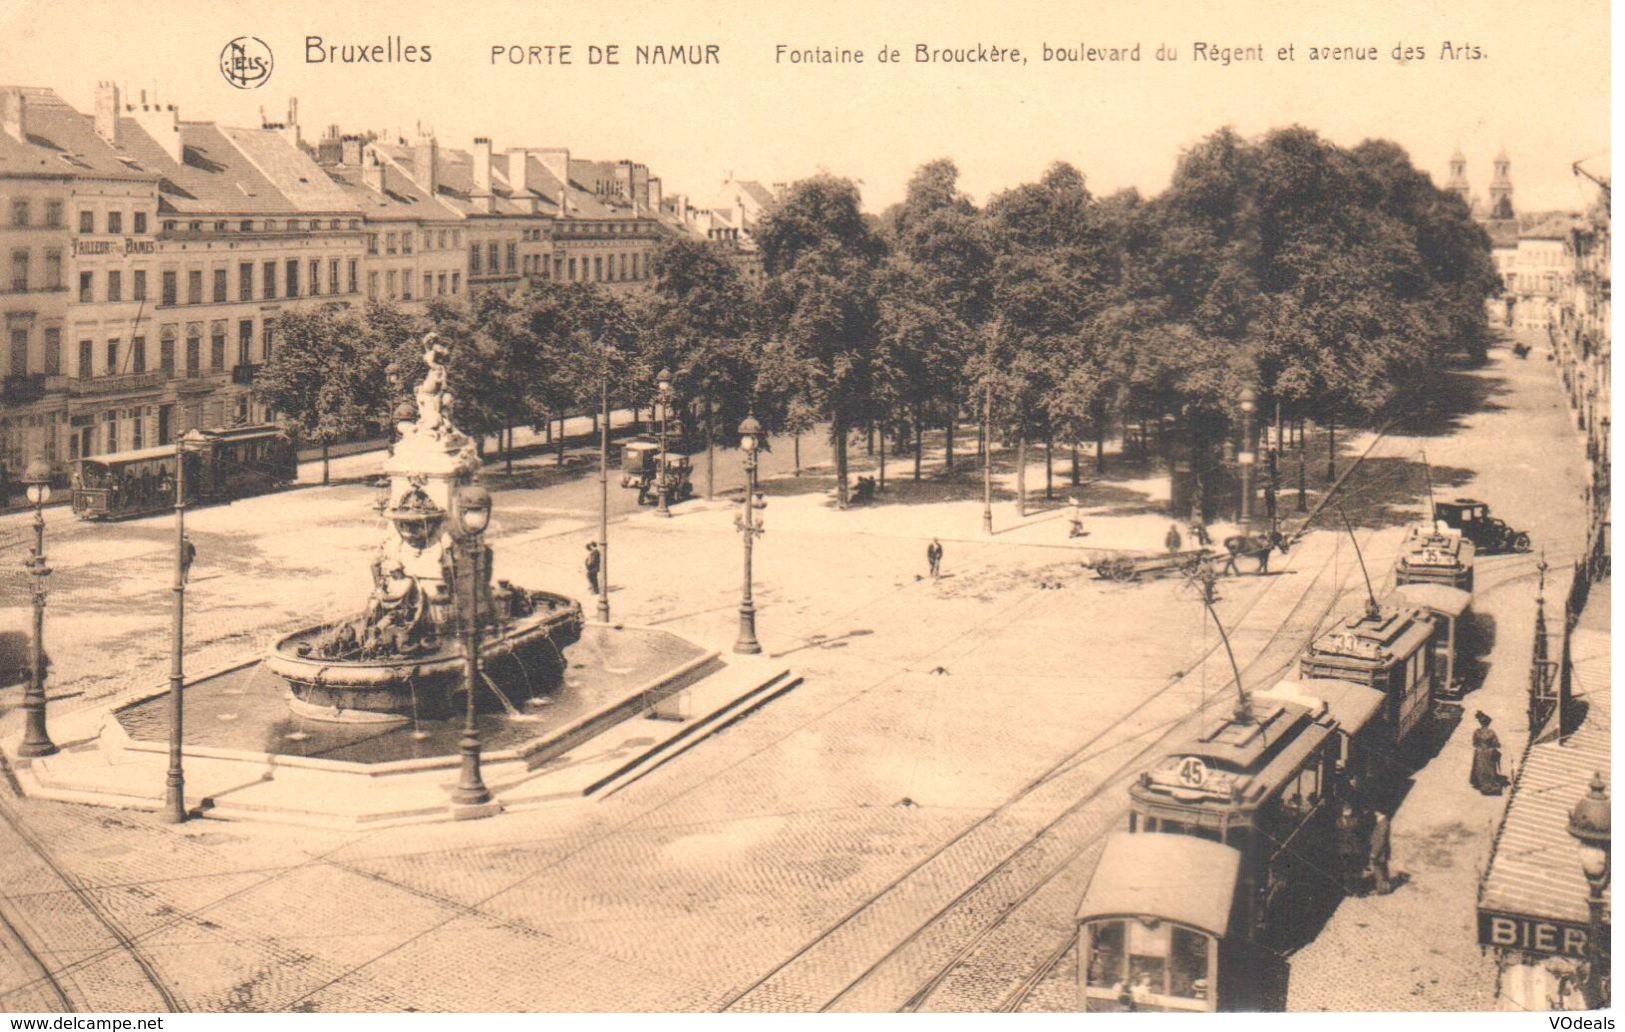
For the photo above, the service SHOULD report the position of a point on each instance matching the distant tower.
(1458, 177)
(1501, 187)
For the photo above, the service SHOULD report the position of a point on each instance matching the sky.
(1539, 85)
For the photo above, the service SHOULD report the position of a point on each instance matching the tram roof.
(1376, 637)
(1178, 878)
(164, 451)
(1251, 759)
(1351, 706)
(1437, 598)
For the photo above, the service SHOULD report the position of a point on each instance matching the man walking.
(1075, 517)
(595, 562)
(188, 556)
(933, 555)
(1173, 540)
(1352, 851)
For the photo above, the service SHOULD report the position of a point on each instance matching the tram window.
(1187, 964)
(1183, 828)
(1148, 944)
(1105, 953)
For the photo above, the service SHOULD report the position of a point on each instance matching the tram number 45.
(1192, 772)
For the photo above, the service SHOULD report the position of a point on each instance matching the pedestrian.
(1173, 540)
(933, 555)
(188, 555)
(1486, 772)
(1352, 850)
(1075, 517)
(1377, 864)
(595, 562)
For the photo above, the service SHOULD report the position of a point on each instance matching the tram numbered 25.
(220, 465)
(1236, 825)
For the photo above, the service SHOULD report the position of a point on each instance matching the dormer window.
(246, 226)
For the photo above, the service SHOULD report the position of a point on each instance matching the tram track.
(1064, 766)
(1016, 996)
(1500, 576)
(123, 940)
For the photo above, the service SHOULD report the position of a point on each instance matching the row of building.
(149, 258)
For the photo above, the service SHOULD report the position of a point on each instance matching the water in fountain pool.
(247, 708)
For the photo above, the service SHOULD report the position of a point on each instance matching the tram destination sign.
(1533, 934)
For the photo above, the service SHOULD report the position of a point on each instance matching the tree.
(935, 299)
(821, 256)
(324, 377)
(698, 326)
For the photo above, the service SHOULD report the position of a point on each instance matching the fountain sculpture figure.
(400, 659)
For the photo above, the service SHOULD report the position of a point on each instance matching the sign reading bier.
(1532, 934)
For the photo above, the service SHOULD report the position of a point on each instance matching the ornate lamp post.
(1589, 824)
(36, 742)
(663, 382)
(472, 512)
(1245, 459)
(749, 431)
(175, 778)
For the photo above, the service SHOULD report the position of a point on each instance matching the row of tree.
(1329, 281)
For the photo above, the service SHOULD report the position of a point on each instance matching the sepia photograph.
(992, 506)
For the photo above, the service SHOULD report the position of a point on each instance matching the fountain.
(400, 658)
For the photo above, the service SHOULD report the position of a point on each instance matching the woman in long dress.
(1486, 772)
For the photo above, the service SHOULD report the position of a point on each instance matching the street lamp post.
(1245, 459)
(36, 741)
(749, 431)
(663, 381)
(603, 494)
(1589, 824)
(472, 511)
(175, 777)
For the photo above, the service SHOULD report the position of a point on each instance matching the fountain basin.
(424, 685)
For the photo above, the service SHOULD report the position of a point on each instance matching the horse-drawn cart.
(1130, 568)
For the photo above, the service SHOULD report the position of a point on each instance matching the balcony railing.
(113, 384)
(24, 388)
(243, 375)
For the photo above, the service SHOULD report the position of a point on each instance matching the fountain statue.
(400, 658)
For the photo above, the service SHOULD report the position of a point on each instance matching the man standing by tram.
(1352, 851)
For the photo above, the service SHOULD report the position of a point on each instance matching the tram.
(1230, 834)
(1435, 556)
(1452, 638)
(220, 465)
(1390, 649)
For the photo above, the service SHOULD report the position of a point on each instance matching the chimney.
(653, 194)
(350, 150)
(564, 202)
(519, 180)
(426, 165)
(107, 112)
(292, 130)
(557, 162)
(14, 114)
(780, 190)
(482, 166)
(372, 175)
(163, 123)
(640, 187)
(623, 180)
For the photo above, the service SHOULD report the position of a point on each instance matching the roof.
(1361, 640)
(400, 198)
(1435, 598)
(1179, 878)
(1554, 226)
(1535, 868)
(61, 141)
(289, 169)
(212, 177)
(1350, 706)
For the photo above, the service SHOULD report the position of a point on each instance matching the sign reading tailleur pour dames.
(1533, 934)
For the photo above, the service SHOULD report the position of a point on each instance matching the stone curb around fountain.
(101, 765)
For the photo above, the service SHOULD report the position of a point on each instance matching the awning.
(1180, 878)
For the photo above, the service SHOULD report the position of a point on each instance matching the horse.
(1256, 546)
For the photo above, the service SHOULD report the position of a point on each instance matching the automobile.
(640, 468)
(1473, 520)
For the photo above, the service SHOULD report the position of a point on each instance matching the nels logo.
(246, 62)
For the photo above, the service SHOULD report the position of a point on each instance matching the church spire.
(1501, 187)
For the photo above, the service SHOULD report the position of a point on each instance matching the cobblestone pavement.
(928, 706)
